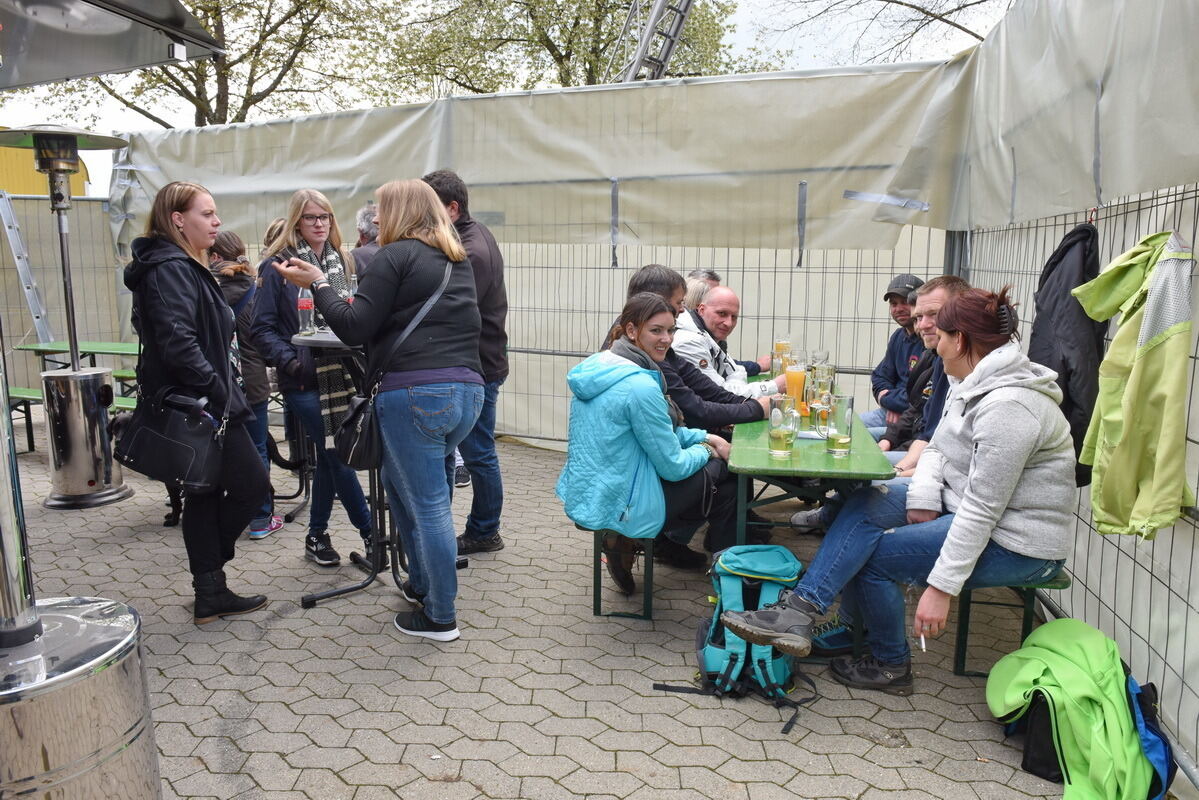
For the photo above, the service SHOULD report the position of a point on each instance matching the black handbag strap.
(377, 375)
(162, 392)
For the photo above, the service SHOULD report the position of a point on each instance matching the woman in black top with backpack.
(432, 385)
(186, 329)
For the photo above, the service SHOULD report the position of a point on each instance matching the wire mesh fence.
(1142, 593)
(564, 298)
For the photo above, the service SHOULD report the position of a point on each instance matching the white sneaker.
(808, 521)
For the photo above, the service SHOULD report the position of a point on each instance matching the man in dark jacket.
(888, 381)
(368, 239)
(482, 534)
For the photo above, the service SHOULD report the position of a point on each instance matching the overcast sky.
(756, 21)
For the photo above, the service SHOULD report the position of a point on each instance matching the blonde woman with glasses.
(310, 235)
(432, 386)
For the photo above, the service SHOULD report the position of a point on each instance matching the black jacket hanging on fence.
(1064, 338)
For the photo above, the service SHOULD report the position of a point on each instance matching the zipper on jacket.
(628, 506)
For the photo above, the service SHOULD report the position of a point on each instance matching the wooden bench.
(20, 401)
(126, 379)
(647, 578)
(1028, 602)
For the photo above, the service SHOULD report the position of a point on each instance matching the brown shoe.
(619, 552)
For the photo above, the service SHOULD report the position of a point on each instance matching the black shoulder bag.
(357, 440)
(170, 438)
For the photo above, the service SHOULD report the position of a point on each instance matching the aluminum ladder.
(33, 295)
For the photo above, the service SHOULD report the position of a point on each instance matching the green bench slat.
(124, 374)
(22, 393)
(124, 403)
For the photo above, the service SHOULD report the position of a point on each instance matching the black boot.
(214, 600)
(619, 552)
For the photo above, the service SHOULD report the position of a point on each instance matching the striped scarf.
(333, 382)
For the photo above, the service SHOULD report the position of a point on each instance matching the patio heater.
(82, 471)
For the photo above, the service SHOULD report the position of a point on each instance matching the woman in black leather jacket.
(186, 328)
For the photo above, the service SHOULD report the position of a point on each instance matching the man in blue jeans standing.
(482, 533)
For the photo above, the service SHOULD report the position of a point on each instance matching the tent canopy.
(54, 40)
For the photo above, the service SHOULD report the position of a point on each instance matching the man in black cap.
(889, 380)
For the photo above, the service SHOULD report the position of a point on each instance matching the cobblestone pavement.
(538, 699)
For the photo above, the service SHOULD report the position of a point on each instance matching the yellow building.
(18, 175)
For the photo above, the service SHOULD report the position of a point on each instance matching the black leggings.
(712, 489)
(212, 521)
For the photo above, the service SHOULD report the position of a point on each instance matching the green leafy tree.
(488, 45)
(286, 57)
(280, 58)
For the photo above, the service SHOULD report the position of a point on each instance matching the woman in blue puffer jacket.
(630, 467)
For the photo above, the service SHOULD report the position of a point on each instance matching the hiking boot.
(261, 530)
(809, 521)
(832, 638)
(461, 476)
(318, 548)
(214, 600)
(673, 554)
(415, 623)
(410, 594)
(786, 625)
(619, 552)
(473, 544)
(868, 672)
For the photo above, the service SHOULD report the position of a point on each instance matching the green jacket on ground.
(1137, 437)
(1078, 670)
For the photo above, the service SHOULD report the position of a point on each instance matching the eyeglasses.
(313, 219)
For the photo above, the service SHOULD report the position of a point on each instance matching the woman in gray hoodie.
(989, 505)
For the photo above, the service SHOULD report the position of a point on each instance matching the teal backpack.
(745, 578)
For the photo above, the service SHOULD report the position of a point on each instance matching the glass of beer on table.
(836, 429)
(782, 423)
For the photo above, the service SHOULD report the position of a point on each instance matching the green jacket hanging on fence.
(1137, 437)
(1078, 670)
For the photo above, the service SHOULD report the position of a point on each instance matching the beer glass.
(837, 427)
(819, 356)
(782, 423)
(795, 381)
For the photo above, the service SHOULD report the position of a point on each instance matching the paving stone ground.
(538, 699)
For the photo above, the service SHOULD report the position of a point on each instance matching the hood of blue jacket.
(600, 372)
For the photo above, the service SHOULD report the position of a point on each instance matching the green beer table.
(750, 458)
(46, 350)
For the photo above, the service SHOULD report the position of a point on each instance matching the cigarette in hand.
(923, 649)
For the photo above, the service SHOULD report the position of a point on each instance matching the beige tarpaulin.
(1065, 105)
(676, 163)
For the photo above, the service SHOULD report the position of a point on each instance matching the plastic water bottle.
(304, 308)
(353, 287)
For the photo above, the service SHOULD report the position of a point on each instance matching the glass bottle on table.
(305, 308)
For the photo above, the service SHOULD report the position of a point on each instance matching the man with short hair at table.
(888, 381)
(368, 239)
(702, 339)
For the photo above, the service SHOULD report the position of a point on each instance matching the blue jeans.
(421, 426)
(332, 476)
(870, 550)
(875, 421)
(478, 453)
(257, 429)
